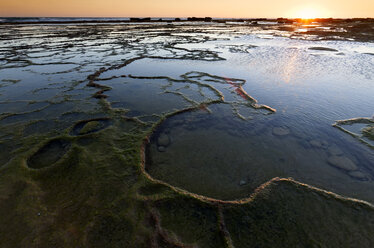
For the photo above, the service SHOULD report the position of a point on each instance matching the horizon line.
(183, 17)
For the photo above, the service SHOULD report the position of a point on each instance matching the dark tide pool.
(219, 155)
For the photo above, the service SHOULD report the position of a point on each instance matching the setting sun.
(311, 11)
(308, 13)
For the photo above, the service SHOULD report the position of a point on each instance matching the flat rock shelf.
(183, 134)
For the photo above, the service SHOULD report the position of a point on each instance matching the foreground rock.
(307, 219)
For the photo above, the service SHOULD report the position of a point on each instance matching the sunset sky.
(185, 8)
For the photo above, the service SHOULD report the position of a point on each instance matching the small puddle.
(327, 49)
(49, 154)
(90, 126)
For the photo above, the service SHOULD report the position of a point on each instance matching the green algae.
(286, 213)
(199, 220)
(98, 195)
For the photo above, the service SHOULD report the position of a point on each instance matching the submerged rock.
(242, 182)
(335, 151)
(161, 148)
(281, 131)
(358, 175)
(305, 144)
(322, 144)
(343, 163)
(163, 140)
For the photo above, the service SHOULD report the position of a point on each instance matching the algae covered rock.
(368, 132)
(343, 163)
(287, 214)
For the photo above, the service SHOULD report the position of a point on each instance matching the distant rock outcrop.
(147, 19)
(197, 19)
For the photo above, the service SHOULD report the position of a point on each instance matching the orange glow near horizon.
(308, 13)
(185, 8)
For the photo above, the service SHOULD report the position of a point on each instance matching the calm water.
(225, 146)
